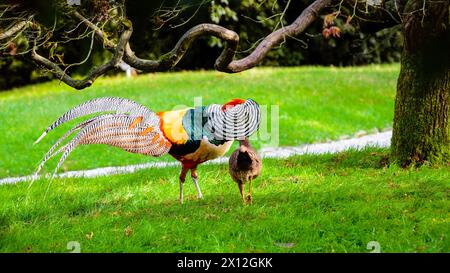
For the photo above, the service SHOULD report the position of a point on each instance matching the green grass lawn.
(329, 203)
(315, 104)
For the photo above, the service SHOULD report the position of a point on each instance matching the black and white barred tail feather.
(111, 129)
(118, 134)
(50, 154)
(107, 104)
(114, 131)
(237, 122)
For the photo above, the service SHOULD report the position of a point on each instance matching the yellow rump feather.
(172, 126)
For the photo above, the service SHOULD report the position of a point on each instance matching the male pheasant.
(192, 136)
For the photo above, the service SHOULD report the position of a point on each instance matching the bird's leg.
(241, 190)
(249, 195)
(182, 178)
(195, 179)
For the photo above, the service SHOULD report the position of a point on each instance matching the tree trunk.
(421, 118)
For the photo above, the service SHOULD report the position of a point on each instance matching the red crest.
(232, 103)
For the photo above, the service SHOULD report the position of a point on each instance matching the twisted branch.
(93, 74)
(170, 59)
(224, 62)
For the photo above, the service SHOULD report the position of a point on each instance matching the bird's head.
(232, 103)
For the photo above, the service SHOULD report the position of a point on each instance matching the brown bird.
(245, 165)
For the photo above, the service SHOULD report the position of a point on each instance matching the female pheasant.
(245, 164)
(192, 136)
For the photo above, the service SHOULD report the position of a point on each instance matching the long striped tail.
(133, 128)
(107, 104)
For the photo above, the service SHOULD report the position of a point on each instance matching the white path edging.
(382, 139)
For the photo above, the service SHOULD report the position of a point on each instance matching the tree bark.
(421, 118)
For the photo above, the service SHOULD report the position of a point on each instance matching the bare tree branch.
(13, 30)
(298, 26)
(224, 62)
(93, 74)
(170, 59)
(98, 32)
